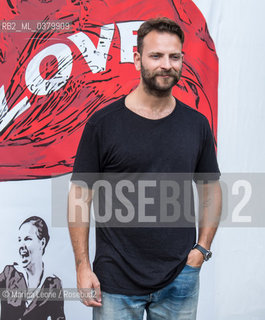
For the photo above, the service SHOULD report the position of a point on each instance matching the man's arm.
(210, 208)
(79, 203)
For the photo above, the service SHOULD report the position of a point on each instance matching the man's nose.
(165, 63)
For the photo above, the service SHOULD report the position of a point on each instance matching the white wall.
(232, 285)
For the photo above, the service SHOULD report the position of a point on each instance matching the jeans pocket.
(192, 267)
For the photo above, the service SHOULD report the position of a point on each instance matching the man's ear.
(137, 60)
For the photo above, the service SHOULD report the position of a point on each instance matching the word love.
(95, 57)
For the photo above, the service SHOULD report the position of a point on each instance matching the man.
(152, 269)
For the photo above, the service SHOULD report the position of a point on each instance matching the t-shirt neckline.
(171, 114)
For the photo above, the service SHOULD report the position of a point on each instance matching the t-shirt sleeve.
(87, 161)
(207, 169)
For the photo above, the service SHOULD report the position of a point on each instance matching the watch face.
(208, 255)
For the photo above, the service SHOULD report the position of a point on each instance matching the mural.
(62, 60)
(30, 291)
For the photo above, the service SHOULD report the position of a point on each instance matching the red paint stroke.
(42, 141)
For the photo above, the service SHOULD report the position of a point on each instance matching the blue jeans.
(176, 301)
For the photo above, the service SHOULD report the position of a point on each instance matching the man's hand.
(195, 258)
(88, 286)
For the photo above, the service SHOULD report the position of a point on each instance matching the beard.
(153, 86)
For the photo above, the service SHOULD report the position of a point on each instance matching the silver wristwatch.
(206, 253)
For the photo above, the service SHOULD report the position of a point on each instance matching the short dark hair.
(162, 24)
(42, 229)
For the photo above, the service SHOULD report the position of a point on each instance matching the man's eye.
(176, 58)
(155, 56)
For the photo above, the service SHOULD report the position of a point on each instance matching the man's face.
(160, 62)
(30, 246)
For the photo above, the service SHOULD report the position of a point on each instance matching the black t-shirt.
(137, 261)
